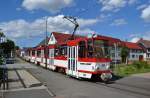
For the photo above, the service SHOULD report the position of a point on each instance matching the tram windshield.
(97, 48)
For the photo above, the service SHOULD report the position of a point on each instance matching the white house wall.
(52, 40)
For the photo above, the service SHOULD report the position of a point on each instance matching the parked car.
(10, 60)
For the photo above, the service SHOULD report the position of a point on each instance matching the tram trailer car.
(80, 58)
(28, 55)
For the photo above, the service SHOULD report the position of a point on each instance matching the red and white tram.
(81, 58)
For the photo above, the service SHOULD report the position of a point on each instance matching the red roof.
(63, 38)
(132, 45)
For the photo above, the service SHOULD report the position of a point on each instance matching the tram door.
(51, 58)
(72, 60)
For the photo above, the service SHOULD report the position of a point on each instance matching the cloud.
(137, 36)
(140, 7)
(20, 28)
(146, 14)
(18, 9)
(115, 5)
(86, 31)
(47, 5)
(118, 22)
(134, 39)
(130, 2)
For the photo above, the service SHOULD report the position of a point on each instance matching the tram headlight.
(97, 66)
(107, 66)
(103, 66)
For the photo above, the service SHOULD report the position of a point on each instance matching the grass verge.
(134, 68)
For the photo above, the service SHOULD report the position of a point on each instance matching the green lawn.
(126, 70)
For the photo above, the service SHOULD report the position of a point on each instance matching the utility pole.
(115, 45)
(74, 21)
(46, 42)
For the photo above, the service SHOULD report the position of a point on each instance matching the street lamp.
(46, 39)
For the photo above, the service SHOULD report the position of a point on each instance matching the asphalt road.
(67, 87)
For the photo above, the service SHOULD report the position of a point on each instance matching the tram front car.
(98, 50)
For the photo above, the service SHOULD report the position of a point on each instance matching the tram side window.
(82, 49)
(38, 53)
(46, 52)
(33, 53)
(63, 50)
(90, 48)
(56, 52)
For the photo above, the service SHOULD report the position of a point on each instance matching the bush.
(126, 70)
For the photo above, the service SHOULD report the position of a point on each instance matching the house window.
(133, 56)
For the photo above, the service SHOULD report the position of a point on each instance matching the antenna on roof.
(74, 21)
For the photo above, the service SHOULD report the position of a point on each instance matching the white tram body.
(79, 58)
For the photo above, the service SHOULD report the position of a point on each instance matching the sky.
(24, 21)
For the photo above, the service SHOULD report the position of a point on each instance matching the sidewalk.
(23, 85)
(37, 93)
(21, 78)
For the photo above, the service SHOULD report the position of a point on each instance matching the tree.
(7, 47)
(17, 47)
(2, 34)
(124, 54)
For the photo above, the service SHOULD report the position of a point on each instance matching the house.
(136, 53)
(60, 38)
(145, 44)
